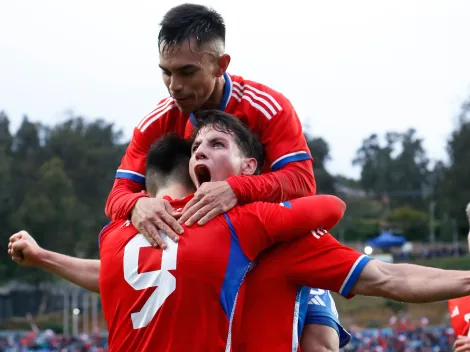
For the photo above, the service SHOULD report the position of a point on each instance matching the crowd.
(48, 341)
(421, 339)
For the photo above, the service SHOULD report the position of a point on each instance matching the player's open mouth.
(202, 173)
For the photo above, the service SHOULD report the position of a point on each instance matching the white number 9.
(165, 281)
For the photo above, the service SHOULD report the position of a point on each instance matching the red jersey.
(459, 309)
(183, 298)
(267, 112)
(277, 289)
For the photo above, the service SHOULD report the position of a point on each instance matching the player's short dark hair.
(246, 139)
(188, 21)
(168, 161)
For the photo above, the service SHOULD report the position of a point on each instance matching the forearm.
(82, 272)
(293, 181)
(303, 215)
(122, 198)
(418, 284)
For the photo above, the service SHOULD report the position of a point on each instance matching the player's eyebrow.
(182, 68)
(218, 139)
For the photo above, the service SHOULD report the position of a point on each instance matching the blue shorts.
(321, 310)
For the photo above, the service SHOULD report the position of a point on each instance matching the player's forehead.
(177, 56)
(211, 133)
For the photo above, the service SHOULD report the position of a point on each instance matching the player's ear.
(222, 64)
(249, 166)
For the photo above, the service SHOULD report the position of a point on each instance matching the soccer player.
(459, 310)
(290, 268)
(315, 258)
(190, 284)
(194, 67)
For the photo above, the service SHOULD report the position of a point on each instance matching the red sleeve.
(287, 157)
(294, 180)
(122, 198)
(260, 225)
(319, 260)
(130, 176)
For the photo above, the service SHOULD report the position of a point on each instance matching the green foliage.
(412, 222)
(321, 154)
(54, 182)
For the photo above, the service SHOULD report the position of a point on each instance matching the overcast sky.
(350, 68)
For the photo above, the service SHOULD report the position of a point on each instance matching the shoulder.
(165, 108)
(122, 228)
(260, 97)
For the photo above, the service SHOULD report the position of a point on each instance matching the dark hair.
(167, 161)
(186, 21)
(246, 139)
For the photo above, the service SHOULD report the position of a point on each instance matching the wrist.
(232, 181)
(41, 259)
(138, 198)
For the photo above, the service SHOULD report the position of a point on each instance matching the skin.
(216, 151)
(193, 75)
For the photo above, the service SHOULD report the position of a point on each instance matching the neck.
(175, 191)
(216, 97)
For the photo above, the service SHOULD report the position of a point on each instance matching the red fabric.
(459, 310)
(122, 199)
(293, 181)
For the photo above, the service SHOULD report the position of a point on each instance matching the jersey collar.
(179, 203)
(225, 98)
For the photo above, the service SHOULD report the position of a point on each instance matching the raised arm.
(83, 272)
(411, 283)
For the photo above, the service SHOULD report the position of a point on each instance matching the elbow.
(338, 207)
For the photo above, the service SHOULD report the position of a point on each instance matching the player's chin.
(186, 106)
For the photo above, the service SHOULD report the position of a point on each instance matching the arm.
(411, 283)
(130, 176)
(294, 180)
(81, 272)
(122, 198)
(300, 216)
(126, 199)
(271, 223)
(130, 179)
(287, 156)
(24, 250)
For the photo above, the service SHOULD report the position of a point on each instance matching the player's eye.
(194, 148)
(187, 73)
(166, 73)
(218, 145)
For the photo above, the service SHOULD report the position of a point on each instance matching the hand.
(24, 250)
(151, 215)
(210, 200)
(462, 344)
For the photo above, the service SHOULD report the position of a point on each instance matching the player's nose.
(200, 154)
(175, 86)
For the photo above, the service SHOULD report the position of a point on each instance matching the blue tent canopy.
(386, 240)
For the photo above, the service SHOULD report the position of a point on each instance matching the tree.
(456, 190)
(320, 151)
(52, 212)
